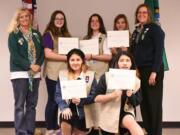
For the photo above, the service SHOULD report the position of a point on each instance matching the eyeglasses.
(59, 19)
(143, 12)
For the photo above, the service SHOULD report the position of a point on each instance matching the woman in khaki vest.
(54, 62)
(119, 105)
(96, 29)
(72, 117)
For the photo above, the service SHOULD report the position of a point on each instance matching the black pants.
(94, 132)
(51, 106)
(151, 106)
(106, 133)
(122, 132)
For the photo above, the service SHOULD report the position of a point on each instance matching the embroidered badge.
(20, 41)
(37, 37)
(144, 33)
(87, 79)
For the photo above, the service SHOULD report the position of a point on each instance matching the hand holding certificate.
(73, 89)
(118, 38)
(90, 46)
(67, 44)
(121, 79)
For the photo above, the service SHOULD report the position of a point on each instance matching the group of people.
(28, 50)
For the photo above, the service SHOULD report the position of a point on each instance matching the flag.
(32, 7)
(154, 6)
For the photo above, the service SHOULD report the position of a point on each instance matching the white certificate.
(121, 79)
(73, 89)
(90, 46)
(67, 44)
(118, 38)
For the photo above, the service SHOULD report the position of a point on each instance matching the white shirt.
(23, 74)
(106, 50)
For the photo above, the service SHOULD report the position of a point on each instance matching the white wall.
(6, 96)
(170, 22)
(77, 14)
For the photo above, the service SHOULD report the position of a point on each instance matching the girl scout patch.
(87, 79)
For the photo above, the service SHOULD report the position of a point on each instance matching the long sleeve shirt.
(148, 45)
(84, 101)
(18, 48)
(134, 99)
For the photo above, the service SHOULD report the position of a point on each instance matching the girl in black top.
(128, 97)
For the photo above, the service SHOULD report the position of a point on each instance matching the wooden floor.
(166, 131)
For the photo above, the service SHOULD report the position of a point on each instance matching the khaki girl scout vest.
(89, 77)
(99, 67)
(52, 67)
(106, 115)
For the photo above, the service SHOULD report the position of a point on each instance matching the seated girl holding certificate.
(117, 107)
(72, 117)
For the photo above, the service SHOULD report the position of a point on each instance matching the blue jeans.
(25, 106)
(51, 111)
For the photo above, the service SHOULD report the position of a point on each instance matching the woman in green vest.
(54, 62)
(26, 58)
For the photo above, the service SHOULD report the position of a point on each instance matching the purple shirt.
(47, 41)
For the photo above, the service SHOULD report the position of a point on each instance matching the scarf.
(31, 56)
